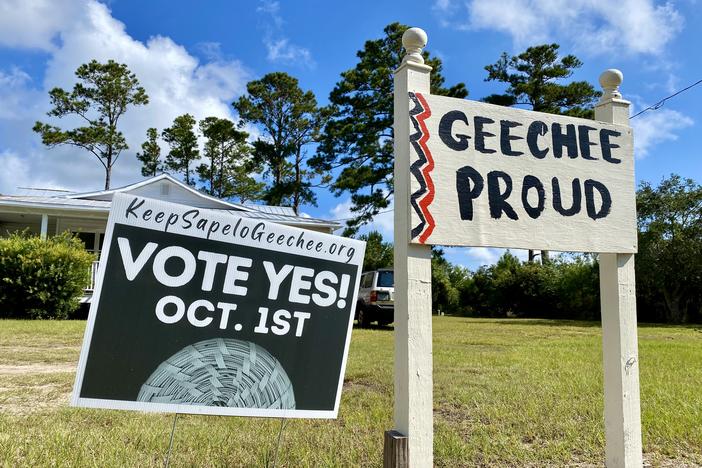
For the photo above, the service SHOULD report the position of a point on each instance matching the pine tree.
(182, 142)
(289, 119)
(358, 136)
(150, 154)
(228, 173)
(104, 93)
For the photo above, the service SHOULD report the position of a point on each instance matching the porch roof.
(106, 195)
(100, 208)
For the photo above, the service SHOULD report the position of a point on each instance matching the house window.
(91, 240)
(87, 238)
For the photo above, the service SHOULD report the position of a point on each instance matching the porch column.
(44, 226)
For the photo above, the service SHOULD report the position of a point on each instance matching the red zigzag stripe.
(426, 170)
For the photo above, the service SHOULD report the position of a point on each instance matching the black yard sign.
(198, 311)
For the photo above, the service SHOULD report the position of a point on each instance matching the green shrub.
(577, 286)
(565, 288)
(42, 278)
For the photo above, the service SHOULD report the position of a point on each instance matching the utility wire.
(660, 103)
(354, 217)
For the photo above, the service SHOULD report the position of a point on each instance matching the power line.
(660, 103)
(354, 217)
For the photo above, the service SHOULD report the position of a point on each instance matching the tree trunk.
(545, 257)
(213, 192)
(108, 176)
(298, 179)
(532, 256)
(220, 173)
(278, 174)
(677, 312)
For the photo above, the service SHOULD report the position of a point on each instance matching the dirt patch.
(23, 398)
(33, 398)
(38, 346)
(364, 385)
(37, 369)
(655, 460)
(650, 461)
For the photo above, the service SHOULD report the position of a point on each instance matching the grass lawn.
(506, 393)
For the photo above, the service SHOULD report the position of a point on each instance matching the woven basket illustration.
(221, 372)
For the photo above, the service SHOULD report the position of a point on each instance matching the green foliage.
(99, 99)
(230, 163)
(565, 288)
(532, 77)
(447, 279)
(182, 142)
(379, 254)
(358, 137)
(42, 278)
(668, 269)
(150, 154)
(577, 288)
(289, 119)
(669, 262)
(446, 283)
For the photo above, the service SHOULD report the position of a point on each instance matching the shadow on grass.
(356, 326)
(508, 321)
(540, 322)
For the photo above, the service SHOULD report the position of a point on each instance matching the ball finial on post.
(414, 40)
(610, 81)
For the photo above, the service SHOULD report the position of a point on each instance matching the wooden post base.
(396, 453)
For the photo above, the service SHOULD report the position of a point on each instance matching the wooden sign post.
(618, 307)
(413, 359)
(474, 174)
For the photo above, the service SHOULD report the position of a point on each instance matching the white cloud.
(175, 81)
(282, 51)
(382, 222)
(342, 211)
(278, 46)
(16, 173)
(35, 24)
(479, 256)
(271, 9)
(18, 97)
(655, 127)
(590, 26)
(482, 255)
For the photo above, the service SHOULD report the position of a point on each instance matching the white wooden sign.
(492, 176)
(469, 173)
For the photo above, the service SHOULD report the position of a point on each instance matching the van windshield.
(386, 279)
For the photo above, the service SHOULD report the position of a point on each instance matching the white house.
(49, 212)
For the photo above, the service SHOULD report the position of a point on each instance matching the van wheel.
(362, 316)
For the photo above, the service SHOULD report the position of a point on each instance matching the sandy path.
(37, 369)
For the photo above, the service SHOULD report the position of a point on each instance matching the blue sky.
(197, 57)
